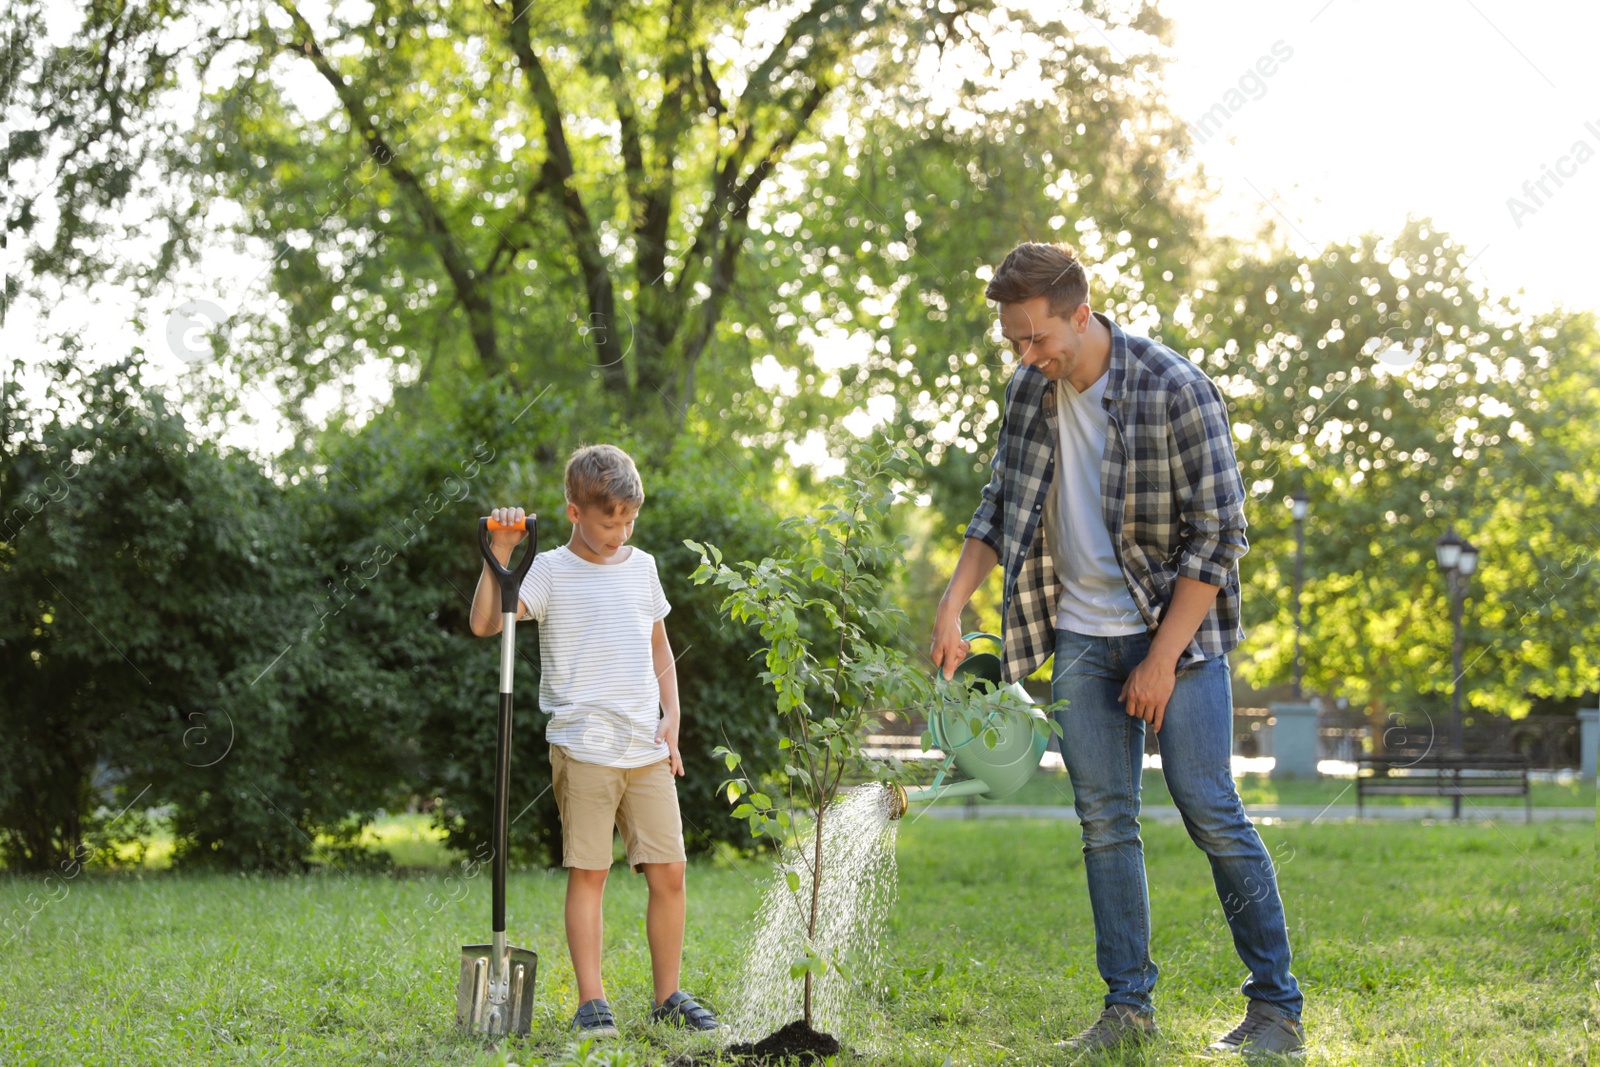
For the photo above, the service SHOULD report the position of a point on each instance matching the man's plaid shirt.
(1170, 494)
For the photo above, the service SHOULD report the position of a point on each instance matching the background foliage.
(719, 235)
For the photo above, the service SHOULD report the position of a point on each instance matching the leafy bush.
(276, 660)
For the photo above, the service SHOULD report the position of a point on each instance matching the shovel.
(495, 994)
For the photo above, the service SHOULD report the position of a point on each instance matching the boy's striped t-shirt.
(597, 677)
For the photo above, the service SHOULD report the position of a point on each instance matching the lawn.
(1415, 943)
(1053, 788)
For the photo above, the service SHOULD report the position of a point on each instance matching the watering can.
(994, 773)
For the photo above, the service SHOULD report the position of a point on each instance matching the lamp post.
(1458, 558)
(1299, 504)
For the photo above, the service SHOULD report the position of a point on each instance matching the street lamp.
(1458, 558)
(1299, 504)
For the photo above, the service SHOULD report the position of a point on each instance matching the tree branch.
(558, 176)
(474, 299)
(507, 245)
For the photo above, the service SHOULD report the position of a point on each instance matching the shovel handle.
(510, 578)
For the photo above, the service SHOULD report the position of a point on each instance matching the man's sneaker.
(1118, 1024)
(1265, 1031)
(680, 1009)
(594, 1019)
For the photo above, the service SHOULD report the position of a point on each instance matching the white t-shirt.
(597, 676)
(1094, 595)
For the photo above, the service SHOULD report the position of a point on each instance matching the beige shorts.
(642, 802)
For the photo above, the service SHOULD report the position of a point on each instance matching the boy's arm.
(486, 599)
(485, 617)
(667, 677)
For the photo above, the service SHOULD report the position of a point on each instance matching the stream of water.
(859, 884)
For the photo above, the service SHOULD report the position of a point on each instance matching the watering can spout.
(901, 798)
(993, 771)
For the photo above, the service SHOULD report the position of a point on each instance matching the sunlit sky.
(1372, 111)
(1441, 109)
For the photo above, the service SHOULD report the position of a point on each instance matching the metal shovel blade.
(494, 1001)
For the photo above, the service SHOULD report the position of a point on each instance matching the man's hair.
(1034, 268)
(603, 476)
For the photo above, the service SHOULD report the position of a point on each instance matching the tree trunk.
(816, 898)
(1377, 726)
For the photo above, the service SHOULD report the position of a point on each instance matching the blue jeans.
(1103, 748)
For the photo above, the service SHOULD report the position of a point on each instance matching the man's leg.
(1103, 749)
(1196, 741)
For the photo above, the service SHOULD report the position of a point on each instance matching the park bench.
(1452, 776)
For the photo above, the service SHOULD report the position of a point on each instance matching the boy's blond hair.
(603, 476)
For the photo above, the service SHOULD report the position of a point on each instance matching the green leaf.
(744, 811)
(794, 881)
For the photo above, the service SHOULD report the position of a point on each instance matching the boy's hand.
(667, 730)
(507, 539)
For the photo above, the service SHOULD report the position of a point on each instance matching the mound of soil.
(795, 1043)
(797, 1040)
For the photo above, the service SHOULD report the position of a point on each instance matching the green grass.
(1053, 788)
(1415, 944)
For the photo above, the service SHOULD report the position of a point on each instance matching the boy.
(608, 683)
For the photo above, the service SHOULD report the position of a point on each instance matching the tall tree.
(1405, 401)
(565, 193)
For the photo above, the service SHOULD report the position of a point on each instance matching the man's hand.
(1148, 689)
(667, 730)
(948, 649)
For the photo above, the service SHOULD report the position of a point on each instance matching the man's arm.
(979, 554)
(978, 558)
(667, 676)
(1207, 484)
(1211, 529)
(1150, 684)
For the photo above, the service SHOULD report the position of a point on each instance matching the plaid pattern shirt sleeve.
(985, 524)
(1171, 495)
(1207, 487)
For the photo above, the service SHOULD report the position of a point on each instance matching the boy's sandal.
(594, 1019)
(680, 1009)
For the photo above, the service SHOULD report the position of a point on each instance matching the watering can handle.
(969, 638)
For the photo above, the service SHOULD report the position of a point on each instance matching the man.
(1117, 508)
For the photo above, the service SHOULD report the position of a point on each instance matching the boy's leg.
(586, 929)
(652, 830)
(1103, 748)
(1196, 741)
(664, 917)
(587, 796)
